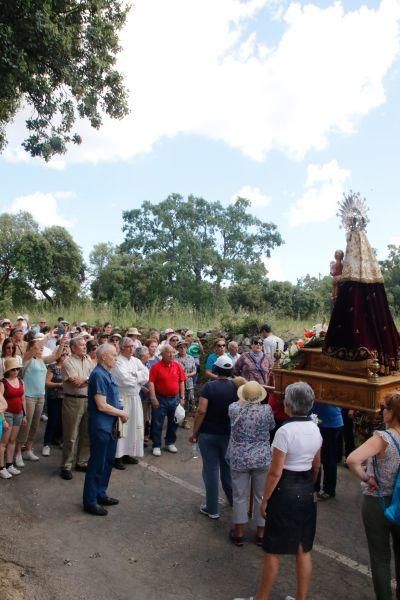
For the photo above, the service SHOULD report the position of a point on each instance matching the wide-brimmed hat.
(169, 330)
(115, 334)
(251, 392)
(224, 362)
(133, 331)
(11, 363)
(39, 336)
(181, 343)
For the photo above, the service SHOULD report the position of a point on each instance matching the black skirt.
(291, 514)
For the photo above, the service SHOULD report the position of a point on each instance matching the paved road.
(156, 545)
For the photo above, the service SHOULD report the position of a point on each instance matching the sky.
(289, 104)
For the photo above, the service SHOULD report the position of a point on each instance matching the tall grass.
(176, 316)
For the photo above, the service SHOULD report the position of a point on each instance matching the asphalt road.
(155, 545)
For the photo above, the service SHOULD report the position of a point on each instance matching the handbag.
(391, 512)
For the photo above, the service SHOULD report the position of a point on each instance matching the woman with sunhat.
(288, 501)
(249, 455)
(133, 333)
(13, 391)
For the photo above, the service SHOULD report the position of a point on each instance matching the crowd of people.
(105, 394)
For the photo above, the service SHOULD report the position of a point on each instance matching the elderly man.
(75, 372)
(130, 374)
(104, 408)
(167, 389)
(233, 351)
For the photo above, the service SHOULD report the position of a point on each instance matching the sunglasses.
(257, 343)
(15, 369)
(221, 345)
(173, 340)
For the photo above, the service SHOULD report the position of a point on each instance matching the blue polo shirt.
(102, 382)
(331, 416)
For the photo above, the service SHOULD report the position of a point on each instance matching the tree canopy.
(59, 57)
(191, 249)
(48, 262)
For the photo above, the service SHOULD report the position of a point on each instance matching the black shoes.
(81, 468)
(108, 501)
(95, 509)
(66, 474)
(129, 460)
(119, 464)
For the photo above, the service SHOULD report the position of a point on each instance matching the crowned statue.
(361, 325)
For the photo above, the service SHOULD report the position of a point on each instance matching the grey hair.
(167, 348)
(232, 342)
(141, 351)
(299, 397)
(123, 341)
(74, 341)
(102, 350)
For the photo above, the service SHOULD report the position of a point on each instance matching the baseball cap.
(169, 330)
(224, 362)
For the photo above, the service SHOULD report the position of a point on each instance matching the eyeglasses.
(173, 340)
(14, 370)
(221, 345)
(257, 343)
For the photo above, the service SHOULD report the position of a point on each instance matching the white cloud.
(254, 194)
(395, 240)
(324, 188)
(200, 68)
(43, 207)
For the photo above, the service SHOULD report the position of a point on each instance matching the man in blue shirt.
(104, 408)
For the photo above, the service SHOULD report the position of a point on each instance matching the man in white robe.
(130, 374)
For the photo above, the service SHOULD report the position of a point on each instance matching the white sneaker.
(171, 448)
(44, 418)
(11, 469)
(204, 511)
(46, 451)
(290, 598)
(18, 461)
(29, 455)
(156, 451)
(4, 474)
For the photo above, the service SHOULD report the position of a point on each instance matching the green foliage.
(189, 251)
(32, 261)
(12, 229)
(59, 57)
(391, 272)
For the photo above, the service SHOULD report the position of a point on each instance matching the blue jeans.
(166, 409)
(213, 449)
(102, 454)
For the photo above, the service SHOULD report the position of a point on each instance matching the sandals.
(236, 539)
(259, 541)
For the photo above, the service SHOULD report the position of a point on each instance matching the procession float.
(355, 361)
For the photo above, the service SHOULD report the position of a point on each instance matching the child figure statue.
(336, 269)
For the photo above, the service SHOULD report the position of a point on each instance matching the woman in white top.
(381, 447)
(288, 503)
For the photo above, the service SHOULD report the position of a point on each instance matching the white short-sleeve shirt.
(300, 440)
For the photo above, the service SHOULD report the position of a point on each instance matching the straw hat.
(11, 363)
(251, 392)
(133, 331)
(239, 381)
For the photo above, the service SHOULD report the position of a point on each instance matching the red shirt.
(13, 396)
(167, 377)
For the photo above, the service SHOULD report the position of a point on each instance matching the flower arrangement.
(312, 338)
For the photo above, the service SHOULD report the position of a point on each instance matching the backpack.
(391, 512)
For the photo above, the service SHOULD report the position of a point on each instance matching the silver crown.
(353, 211)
